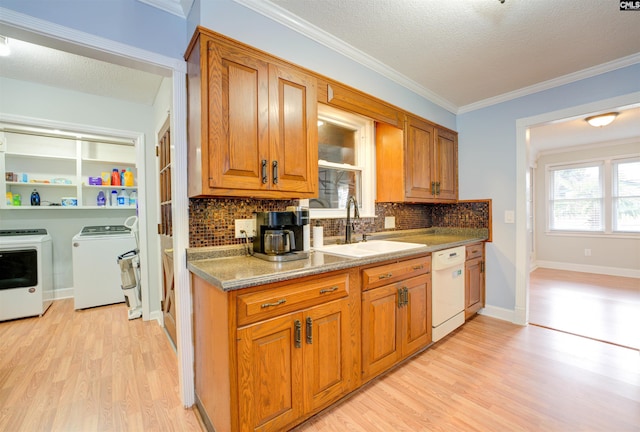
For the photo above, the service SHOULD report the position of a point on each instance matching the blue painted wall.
(487, 161)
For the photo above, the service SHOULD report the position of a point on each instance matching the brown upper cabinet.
(252, 122)
(417, 164)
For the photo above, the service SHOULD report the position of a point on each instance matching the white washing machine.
(26, 273)
(96, 272)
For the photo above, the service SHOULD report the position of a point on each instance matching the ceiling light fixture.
(4, 46)
(601, 120)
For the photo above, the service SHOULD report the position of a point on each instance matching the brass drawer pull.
(418, 267)
(278, 303)
(309, 330)
(385, 276)
(329, 290)
(297, 334)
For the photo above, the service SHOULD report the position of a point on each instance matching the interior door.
(165, 230)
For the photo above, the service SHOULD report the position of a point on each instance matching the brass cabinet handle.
(385, 276)
(275, 172)
(418, 267)
(406, 295)
(437, 188)
(278, 303)
(264, 171)
(433, 188)
(400, 297)
(329, 290)
(297, 334)
(309, 330)
(481, 266)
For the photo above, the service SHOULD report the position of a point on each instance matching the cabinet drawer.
(269, 303)
(385, 274)
(474, 251)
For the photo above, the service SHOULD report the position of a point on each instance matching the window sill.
(600, 234)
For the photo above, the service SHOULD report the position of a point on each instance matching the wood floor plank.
(491, 375)
(91, 370)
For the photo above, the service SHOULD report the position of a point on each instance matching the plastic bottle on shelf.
(101, 200)
(133, 199)
(123, 199)
(128, 177)
(115, 178)
(9, 196)
(122, 178)
(114, 198)
(35, 198)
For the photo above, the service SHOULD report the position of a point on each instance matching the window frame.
(365, 161)
(608, 182)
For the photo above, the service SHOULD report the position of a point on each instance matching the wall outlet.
(587, 252)
(248, 225)
(389, 222)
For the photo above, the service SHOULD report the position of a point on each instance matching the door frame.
(83, 42)
(525, 159)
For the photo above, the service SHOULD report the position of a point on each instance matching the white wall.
(49, 103)
(617, 255)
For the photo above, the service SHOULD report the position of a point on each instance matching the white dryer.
(96, 272)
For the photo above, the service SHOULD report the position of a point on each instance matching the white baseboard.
(61, 294)
(158, 316)
(584, 268)
(499, 313)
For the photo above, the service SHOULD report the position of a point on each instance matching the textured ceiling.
(55, 68)
(464, 52)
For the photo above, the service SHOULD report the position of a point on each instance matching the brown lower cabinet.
(396, 316)
(474, 280)
(269, 357)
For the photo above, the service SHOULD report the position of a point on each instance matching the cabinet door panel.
(269, 374)
(380, 330)
(474, 286)
(326, 353)
(417, 324)
(293, 130)
(420, 171)
(238, 118)
(447, 162)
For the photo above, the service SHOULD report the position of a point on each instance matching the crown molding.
(284, 17)
(556, 82)
(180, 8)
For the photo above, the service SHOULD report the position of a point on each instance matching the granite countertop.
(229, 268)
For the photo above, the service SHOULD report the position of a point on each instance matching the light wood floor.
(95, 371)
(601, 307)
(89, 370)
(491, 375)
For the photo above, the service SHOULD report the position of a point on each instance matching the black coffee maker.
(282, 235)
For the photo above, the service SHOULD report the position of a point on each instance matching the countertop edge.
(341, 263)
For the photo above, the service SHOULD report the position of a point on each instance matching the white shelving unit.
(58, 165)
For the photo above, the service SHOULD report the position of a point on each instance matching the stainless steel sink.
(369, 248)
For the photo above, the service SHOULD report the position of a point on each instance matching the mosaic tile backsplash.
(211, 220)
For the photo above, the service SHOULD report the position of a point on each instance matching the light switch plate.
(248, 225)
(390, 222)
(509, 216)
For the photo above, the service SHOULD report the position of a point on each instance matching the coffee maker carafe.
(281, 235)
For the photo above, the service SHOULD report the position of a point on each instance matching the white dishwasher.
(447, 291)
(96, 272)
